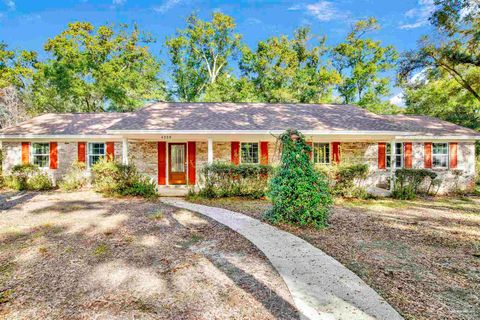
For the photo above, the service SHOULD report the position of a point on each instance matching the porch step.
(173, 191)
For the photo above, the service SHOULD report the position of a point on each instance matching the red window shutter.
(53, 155)
(192, 152)
(81, 152)
(25, 152)
(407, 161)
(235, 156)
(382, 149)
(427, 150)
(263, 152)
(162, 162)
(311, 149)
(336, 152)
(453, 155)
(110, 151)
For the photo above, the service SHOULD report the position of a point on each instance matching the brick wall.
(144, 156)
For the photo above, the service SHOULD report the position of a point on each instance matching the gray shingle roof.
(66, 124)
(236, 117)
(253, 116)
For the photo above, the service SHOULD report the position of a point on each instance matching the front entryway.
(177, 163)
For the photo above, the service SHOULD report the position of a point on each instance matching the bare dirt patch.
(79, 255)
(422, 256)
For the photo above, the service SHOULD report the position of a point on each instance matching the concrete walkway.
(321, 287)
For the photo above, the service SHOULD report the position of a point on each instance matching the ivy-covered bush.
(75, 177)
(408, 182)
(227, 180)
(28, 177)
(346, 180)
(299, 194)
(112, 178)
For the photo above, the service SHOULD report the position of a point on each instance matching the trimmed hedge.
(228, 180)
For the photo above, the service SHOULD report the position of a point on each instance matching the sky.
(28, 24)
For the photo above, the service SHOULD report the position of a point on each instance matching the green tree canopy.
(455, 48)
(200, 54)
(361, 61)
(290, 70)
(16, 68)
(96, 69)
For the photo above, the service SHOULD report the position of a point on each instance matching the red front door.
(177, 163)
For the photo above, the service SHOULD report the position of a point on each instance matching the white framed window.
(399, 149)
(440, 155)
(321, 153)
(41, 154)
(249, 152)
(96, 151)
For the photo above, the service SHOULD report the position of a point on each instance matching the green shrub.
(28, 177)
(299, 193)
(112, 178)
(408, 182)
(75, 178)
(345, 180)
(227, 180)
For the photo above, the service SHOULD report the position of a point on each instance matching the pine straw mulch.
(422, 256)
(82, 256)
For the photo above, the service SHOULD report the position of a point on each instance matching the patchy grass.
(422, 256)
(61, 257)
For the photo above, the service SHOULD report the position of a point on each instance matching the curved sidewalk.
(321, 287)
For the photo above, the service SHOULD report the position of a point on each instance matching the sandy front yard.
(79, 255)
(422, 256)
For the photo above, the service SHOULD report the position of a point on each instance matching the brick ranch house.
(170, 142)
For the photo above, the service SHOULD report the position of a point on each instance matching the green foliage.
(28, 177)
(75, 178)
(199, 54)
(409, 181)
(299, 194)
(345, 180)
(228, 180)
(96, 69)
(455, 49)
(439, 95)
(360, 61)
(227, 88)
(290, 70)
(112, 178)
(16, 68)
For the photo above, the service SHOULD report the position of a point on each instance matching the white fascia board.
(6, 137)
(446, 138)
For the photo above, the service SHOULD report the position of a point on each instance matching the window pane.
(40, 148)
(41, 161)
(399, 148)
(440, 148)
(96, 149)
(249, 152)
(321, 153)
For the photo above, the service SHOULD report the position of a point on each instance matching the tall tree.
(200, 54)
(439, 95)
(290, 70)
(16, 70)
(442, 77)
(97, 69)
(454, 49)
(361, 62)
